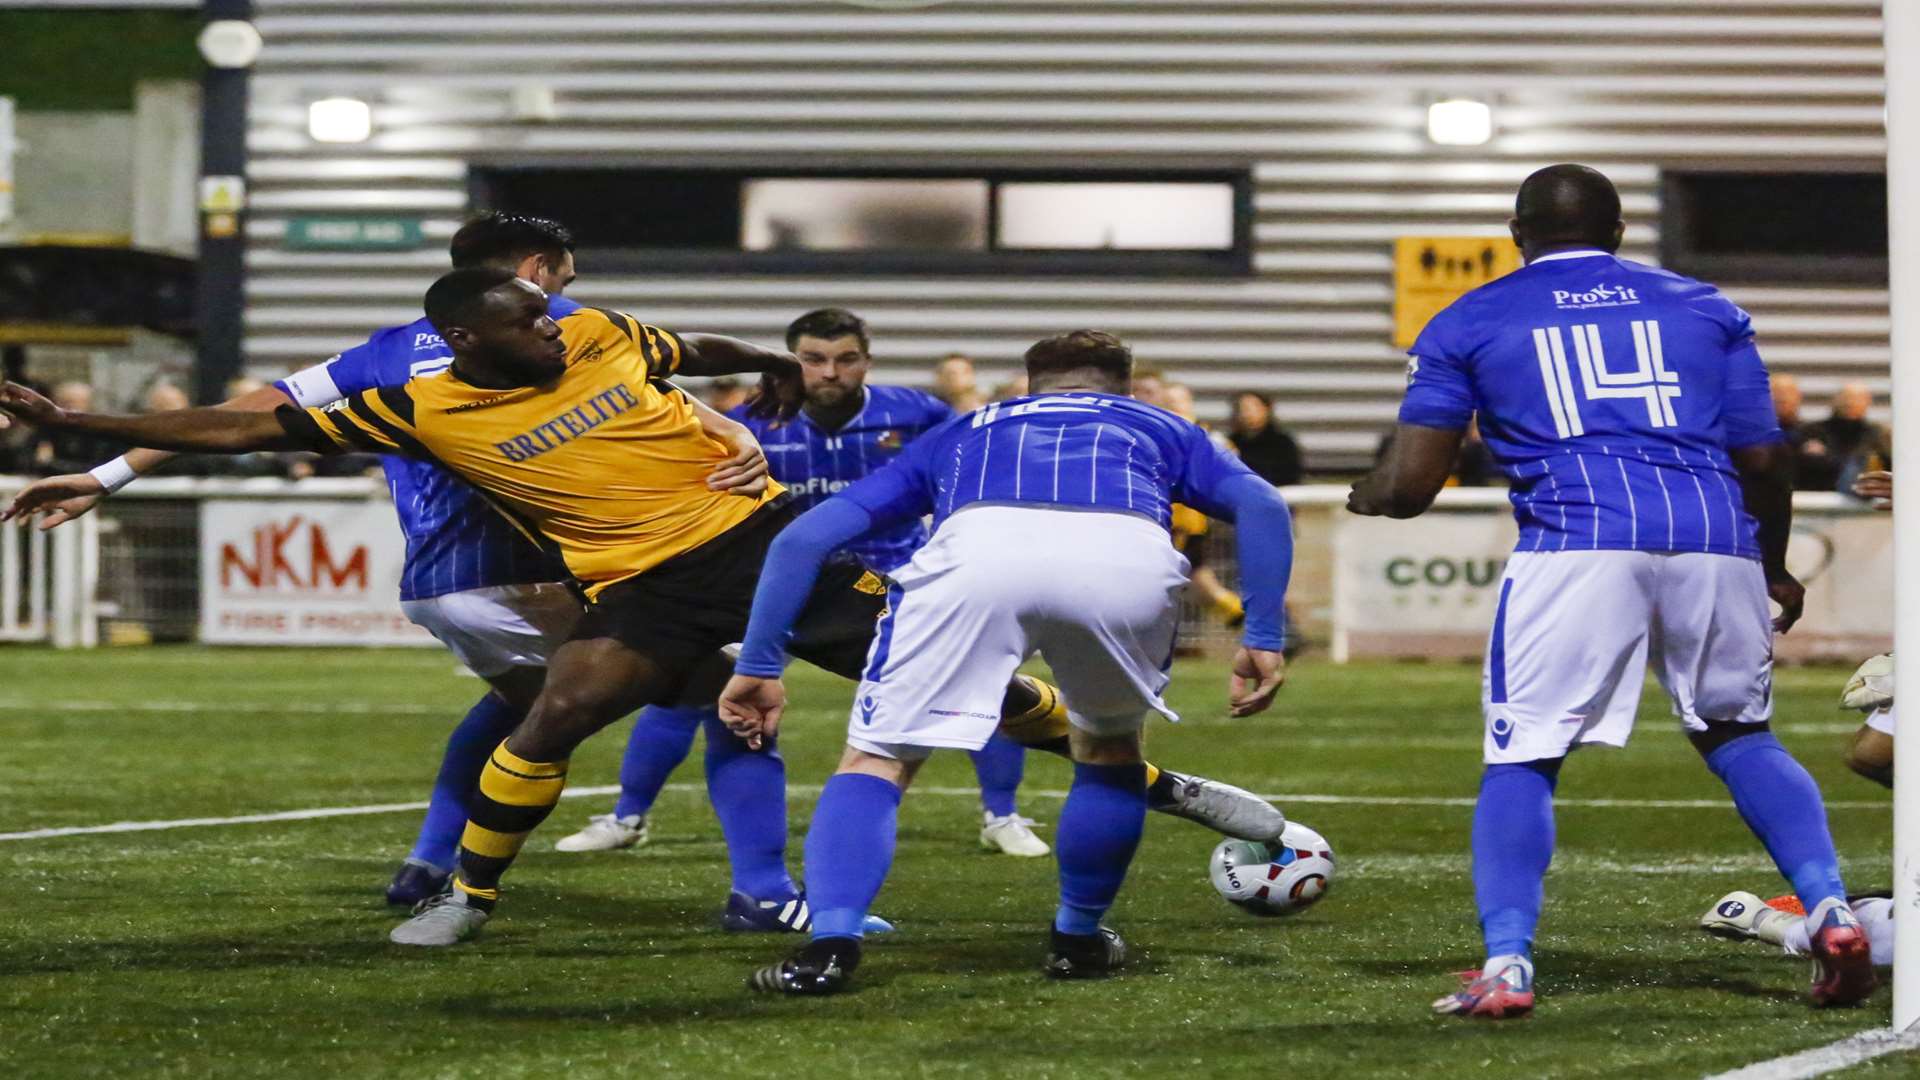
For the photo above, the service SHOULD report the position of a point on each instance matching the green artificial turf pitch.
(260, 949)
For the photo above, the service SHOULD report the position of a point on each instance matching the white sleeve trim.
(312, 388)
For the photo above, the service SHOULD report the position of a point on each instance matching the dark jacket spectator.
(1835, 450)
(1270, 452)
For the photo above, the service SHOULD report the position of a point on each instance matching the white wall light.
(339, 120)
(1460, 122)
(230, 43)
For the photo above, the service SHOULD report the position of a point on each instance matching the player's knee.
(897, 771)
(1115, 749)
(1871, 755)
(560, 721)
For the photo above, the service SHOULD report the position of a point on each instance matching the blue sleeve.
(787, 580)
(1746, 409)
(1221, 486)
(358, 369)
(1439, 393)
(898, 492)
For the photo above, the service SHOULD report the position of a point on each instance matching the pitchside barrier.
(317, 562)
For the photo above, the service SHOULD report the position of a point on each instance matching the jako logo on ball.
(1274, 879)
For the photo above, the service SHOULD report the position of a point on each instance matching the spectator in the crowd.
(725, 394)
(1177, 398)
(1149, 385)
(1836, 450)
(1012, 388)
(1786, 401)
(954, 383)
(1270, 452)
(58, 452)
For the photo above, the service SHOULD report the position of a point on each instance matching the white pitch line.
(1832, 1057)
(1283, 800)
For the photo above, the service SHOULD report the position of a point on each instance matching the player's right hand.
(1257, 676)
(28, 407)
(751, 708)
(1784, 589)
(1876, 488)
(57, 499)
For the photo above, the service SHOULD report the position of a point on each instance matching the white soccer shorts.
(1574, 632)
(1095, 594)
(494, 629)
(1881, 720)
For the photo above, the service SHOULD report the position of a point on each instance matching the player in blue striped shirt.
(1629, 408)
(847, 429)
(1050, 518)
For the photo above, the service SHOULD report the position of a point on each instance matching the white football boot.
(1012, 835)
(604, 832)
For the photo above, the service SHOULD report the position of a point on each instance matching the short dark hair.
(1264, 399)
(494, 238)
(826, 324)
(1568, 204)
(1081, 349)
(456, 297)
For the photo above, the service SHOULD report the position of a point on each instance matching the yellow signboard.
(1430, 272)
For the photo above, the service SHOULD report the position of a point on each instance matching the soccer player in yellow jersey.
(571, 430)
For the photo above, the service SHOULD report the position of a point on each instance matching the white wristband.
(114, 475)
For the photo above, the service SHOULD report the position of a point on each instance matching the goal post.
(1902, 29)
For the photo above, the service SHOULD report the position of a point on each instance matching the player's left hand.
(1257, 676)
(24, 405)
(751, 708)
(1784, 589)
(745, 473)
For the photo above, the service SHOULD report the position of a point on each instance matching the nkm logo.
(293, 555)
(1648, 380)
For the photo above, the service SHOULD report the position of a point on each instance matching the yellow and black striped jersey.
(607, 464)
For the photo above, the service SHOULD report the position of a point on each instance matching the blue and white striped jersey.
(1609, 392)
(456, 541)
(814, 463)
(1077, 449)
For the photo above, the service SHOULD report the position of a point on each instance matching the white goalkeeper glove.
(1871, 686)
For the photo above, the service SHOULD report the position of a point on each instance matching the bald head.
(1563, 206)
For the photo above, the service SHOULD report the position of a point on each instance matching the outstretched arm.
(214, 430)
(60, 499)
(1415, 469)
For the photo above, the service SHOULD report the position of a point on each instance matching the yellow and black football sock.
(1230, 609)
(515, 796)
(1036, 718)
(1034, 714)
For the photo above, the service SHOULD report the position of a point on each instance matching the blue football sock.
(1782, 805)
(1512, 845)
(1100, 827)
(849, 851)
(748, 789)
(999, 765)
(662, 737)
(488, 722)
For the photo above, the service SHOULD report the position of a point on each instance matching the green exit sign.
(353, 233)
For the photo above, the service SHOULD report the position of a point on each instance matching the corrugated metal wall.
(1326, 99)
